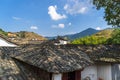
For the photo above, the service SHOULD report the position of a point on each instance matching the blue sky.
(50, 17)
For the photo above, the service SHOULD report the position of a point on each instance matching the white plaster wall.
(90, 71)
(63, 42)
(57, 77)
(5, 43)
(104, 71)
(115, 71)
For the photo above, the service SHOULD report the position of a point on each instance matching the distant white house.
(61, 41)
(6, 43)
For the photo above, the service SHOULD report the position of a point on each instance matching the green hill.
(24, 37)
(86, 32)
(21, 37)
(29, 35)
(102, 37)
(104, 33)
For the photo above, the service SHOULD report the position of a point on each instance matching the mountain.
(83, 33)
(101, 37)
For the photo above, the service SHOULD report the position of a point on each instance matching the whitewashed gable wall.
(57, 77)
(90, 72)
(104, 71)
(3, 42)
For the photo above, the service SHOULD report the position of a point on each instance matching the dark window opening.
(71, 75)
(50, 76)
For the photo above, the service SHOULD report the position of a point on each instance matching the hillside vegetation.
(3, 33)
(24, 37)
(115, 39)
(29, 35)
(21, 37)
(108, 36)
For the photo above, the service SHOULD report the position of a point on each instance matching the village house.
(60, 41)
(42, 62)
(52, 62)
(106, 62)
(47, 61)
(9, 70)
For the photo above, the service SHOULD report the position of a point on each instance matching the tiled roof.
(13, 70)
(52, 58)
(63, 58)
(102, 53)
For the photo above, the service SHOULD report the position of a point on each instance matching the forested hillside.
(108, 36)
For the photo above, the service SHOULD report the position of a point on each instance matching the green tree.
(115, 39)
(90, 40)
(112, 11)
(22, 34)
(2, 32)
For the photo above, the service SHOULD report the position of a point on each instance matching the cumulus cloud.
(58, 26)
(77, 6)
(98, 28)
(34, 27)
(16, 18)
(52, 11)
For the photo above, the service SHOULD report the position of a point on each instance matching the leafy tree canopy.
(2, 32)
(90, 40)
(115, 37)
(112, 11)
(99, 39)
(22, 34)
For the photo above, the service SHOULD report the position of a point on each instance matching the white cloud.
(77, 6)
(61, 25)
(58, 26)
(98, 28)
(34, 27)
(69, 24)
(82, 10)
(52, 11)
(16, 18)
